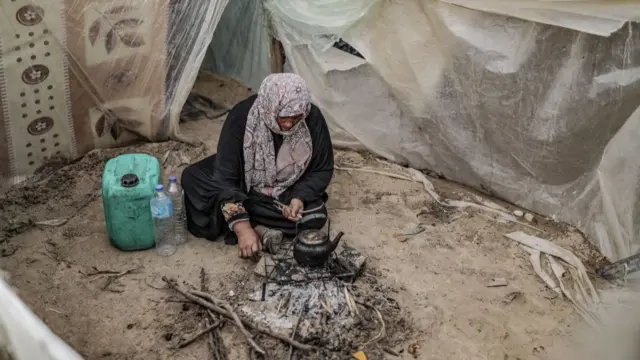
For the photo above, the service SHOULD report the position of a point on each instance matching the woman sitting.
(273, 165)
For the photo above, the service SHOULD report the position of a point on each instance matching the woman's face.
(287, 123)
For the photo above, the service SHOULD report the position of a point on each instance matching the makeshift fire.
(325, 311)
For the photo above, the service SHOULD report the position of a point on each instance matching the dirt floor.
(438, 277)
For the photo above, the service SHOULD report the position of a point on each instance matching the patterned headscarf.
(280, 95)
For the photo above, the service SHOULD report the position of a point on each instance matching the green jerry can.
(128, 183)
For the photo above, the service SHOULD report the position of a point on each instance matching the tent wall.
(78, 74)
(240, 47)
(543, 116)
(23, 336)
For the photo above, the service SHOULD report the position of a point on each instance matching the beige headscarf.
(280, 95)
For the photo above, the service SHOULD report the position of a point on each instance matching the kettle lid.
(312, 237)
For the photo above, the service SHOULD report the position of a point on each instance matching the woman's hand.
(248, 240)
(293, 212)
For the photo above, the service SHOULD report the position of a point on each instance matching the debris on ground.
(498, 282)
(326, 315)
(111, 277)
(465, 254)
(264, 266)
(409, 231)
(352, 259)
(414, 350)
(511, 297)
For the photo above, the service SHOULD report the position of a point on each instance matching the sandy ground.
(439, 277)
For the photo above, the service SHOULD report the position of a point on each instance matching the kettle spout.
(336, 241)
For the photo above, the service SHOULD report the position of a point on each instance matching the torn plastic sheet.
(240, 45)
(320, 22)
(601, 18)
(24, 335)
(539, 115)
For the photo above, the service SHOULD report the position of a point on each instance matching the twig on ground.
(61, 221)
(111, 276)
(383, 329)
(216, 344)
(200, 333)
(390, 351)
(218, 348)
(153, 286)
(353, 308)
(100, 272)
(295, 327)
(326, 307)
(208, 301)
(244, 331)
(210, 339)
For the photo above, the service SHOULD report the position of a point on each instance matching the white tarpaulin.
(543, 116)
(592, 17)
(240, 45)
(23, 336)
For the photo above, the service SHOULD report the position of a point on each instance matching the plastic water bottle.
(162, 214)
(175, 192)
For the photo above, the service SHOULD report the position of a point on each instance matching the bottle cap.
(129, 180)
(159, 187)
(173, 179)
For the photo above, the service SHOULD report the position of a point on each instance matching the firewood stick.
(201, 298)
(383, 329)
(210, 339)
(196, 336)
(218, 348)
(292, 342)
(226, 311)
(246, 333)
(295, 328)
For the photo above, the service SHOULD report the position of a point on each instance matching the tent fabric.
(592, 17)
(240, 45)
(78, 74)
(23, 336)
(543, 116)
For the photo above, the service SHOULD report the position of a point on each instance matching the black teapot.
(313, 247)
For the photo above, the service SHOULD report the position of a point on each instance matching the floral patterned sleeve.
(233, 213)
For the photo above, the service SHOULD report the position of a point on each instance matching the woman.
(274, 160)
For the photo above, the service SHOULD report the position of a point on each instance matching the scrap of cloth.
(280, 95)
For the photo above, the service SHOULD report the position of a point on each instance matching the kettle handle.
(310, 217)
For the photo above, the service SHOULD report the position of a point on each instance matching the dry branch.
(196, 336)
(295, 328)
(383, 329)
(218, 349)
(114, 277)
(201, 298)
(244, 331)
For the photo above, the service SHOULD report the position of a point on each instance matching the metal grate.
(286, 271)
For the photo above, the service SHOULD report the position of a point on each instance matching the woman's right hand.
(248, 240)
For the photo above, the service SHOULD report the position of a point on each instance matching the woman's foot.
(270, 238)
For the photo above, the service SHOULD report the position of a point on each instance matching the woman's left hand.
(293, 212)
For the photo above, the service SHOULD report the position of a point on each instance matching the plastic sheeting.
(23, 335)
(543, 116)
(592, 17)
(79, 74)
(240, 46)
